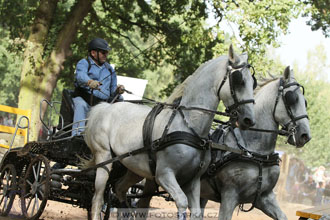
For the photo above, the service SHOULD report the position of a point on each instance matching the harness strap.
(120, 157)
(238, 103)
(166, 140)
(222, 83)
(225, 148)
(258, 193)
(106, 169)
(148, 127)
(180, 137)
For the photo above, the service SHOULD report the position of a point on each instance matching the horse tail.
(85, 163)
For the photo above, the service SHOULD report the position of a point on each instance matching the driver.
(95, 81)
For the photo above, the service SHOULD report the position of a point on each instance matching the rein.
(280, 132)
(152, 101)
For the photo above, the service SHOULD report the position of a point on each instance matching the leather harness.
(168, 139)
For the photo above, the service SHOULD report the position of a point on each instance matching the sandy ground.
(161, 209)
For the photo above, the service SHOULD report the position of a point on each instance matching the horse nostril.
(305, 137)
(248, 122)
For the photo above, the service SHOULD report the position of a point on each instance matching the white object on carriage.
(134, 85)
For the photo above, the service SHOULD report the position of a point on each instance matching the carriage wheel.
(8, 185)
(35, 188)
(133, 195)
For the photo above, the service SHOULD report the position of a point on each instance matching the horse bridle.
(232, 110)
(294, 119)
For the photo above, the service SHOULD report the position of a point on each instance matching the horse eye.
(305, 103)
(291, 98)
(237, 78)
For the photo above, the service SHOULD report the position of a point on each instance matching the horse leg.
(121, 188)
(150, 187)
(193, 195)
(166, 179)
(124, 183)
(100, 184)
(203, 203)
(268, 204)
(228, 204)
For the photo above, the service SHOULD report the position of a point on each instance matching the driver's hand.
(93, 84)
(120, 89)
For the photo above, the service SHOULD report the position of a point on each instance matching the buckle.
(204, 144)
(155, 145)
(212, 169)
(247, 154)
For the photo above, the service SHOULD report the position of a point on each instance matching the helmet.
(98, 43)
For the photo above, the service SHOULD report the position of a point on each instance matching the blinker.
(237, 78)
(291, 97)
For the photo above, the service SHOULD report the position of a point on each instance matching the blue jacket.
(99, 73)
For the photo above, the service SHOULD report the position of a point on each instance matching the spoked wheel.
(134, 194)
(8, 187)
(35, 188)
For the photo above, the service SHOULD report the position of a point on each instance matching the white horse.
(235, 179)
(118, 128)
(279, 102)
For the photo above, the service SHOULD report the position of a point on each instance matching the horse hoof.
(182, 216)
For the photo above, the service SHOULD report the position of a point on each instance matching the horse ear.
(287, 73)
(233, 58)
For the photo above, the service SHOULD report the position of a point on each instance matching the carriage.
(26, 172)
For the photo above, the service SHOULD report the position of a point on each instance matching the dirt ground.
(161, 209)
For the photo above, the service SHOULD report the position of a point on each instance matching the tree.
(259, 25)
(318, 11)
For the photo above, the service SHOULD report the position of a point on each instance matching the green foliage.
(17, 16)
(318, 11)
(10, 71)
(259, 25)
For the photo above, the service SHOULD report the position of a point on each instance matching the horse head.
(290, 109)
(237, 91)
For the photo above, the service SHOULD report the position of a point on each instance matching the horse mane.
(265, 81)
(178, 91)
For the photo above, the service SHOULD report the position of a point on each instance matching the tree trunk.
(39, 74)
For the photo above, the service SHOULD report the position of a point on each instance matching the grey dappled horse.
(236, 182)
(118, 127)
(236, 179)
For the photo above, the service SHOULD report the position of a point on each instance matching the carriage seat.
(67, 109)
